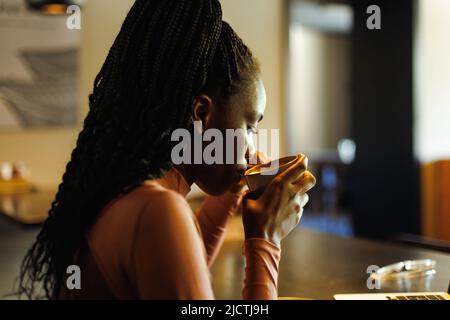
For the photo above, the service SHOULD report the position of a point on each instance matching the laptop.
(394, 296)
(396, 269)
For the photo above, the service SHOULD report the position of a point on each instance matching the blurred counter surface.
(318, 265)
(28, 208)
(20, 199)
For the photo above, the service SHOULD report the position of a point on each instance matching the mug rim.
(283, 162)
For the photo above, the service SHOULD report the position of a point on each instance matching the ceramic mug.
(260, 175)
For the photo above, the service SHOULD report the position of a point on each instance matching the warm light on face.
(54, 9)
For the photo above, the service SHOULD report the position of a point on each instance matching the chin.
(214, 189)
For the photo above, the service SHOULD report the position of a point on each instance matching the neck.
(187, 171)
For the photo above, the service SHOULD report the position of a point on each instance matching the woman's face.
(242, 113)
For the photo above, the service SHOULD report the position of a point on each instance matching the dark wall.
(384, 175)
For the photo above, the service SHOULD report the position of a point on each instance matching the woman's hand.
(279, 209)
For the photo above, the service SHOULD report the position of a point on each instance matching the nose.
(250, 154)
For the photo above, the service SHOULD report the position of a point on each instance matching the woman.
(120, 212)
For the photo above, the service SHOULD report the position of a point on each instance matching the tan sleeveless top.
(149, 244)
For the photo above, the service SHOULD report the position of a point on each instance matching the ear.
(202, 109)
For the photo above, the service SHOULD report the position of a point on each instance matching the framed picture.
(38, 69)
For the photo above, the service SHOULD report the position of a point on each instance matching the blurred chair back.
(436, 200)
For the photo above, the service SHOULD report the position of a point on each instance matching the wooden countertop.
(318, 265)
(29, 208)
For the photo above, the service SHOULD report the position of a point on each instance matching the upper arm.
(168, 260)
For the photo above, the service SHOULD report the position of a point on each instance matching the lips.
(239, 171)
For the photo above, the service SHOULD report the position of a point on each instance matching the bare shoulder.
(151, 196)
(160, 203)
(145, 208)
(149, 200)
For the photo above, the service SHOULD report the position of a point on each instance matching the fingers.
(280, 185)
(304, 198)
(305, 183)
(288, 185)
(273, 196)
(292, 173)
(297, 208)
(299, 201)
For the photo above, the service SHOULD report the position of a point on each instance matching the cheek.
(236, 140)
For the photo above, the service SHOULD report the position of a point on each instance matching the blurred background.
(370, 108)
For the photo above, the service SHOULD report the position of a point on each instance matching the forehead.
(251, 101)
(260, 97)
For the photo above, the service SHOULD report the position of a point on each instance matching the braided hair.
(166, 53)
